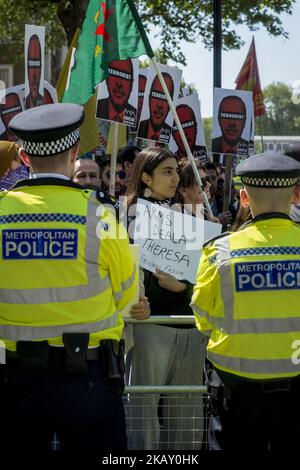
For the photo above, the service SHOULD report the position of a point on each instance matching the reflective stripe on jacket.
(247, 298)
(66, 266)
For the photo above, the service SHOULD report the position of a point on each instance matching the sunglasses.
(121, 174)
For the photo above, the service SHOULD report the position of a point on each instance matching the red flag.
(248, 79)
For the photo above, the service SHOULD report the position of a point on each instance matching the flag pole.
(150, 53)
(182, 135)
(113, 160)
(261, 133)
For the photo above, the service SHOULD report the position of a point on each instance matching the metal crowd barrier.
(196, 429)
(198, 426)
(163, 320)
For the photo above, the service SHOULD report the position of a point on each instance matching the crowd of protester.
(155, 357)
(158, 354)
(155, 352)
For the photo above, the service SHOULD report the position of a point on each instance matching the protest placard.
(117, 99)
(188, 110)
(170, 240)
(233, 111)
(143, 74)
(156, 117)
(34, 65)
(11, 104)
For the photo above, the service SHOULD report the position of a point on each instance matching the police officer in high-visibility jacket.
(247, 301)
(66, 271)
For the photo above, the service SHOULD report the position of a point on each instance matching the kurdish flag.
(248, 79)
(112, 30)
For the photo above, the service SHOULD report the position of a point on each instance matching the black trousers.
(255, 420)
(86, 412)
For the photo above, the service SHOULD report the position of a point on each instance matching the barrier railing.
(163, 320)
(190, 424)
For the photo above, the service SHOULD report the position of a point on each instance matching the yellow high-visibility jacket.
(247, 299)
(65, 265)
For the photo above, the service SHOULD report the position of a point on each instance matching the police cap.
(269, 170)
(49, 129)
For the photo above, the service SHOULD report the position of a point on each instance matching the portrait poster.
(50, 93)
(232, 117)
(156, 120)
(117, 96)
(11, 104)
(189, 114)
(34, 65)
(143, 74)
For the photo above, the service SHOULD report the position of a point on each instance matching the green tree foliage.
(189, 20)
(175, 20)
(187, 86)
(207, 127)
(15, 14)
(145, 64)
(283, 115)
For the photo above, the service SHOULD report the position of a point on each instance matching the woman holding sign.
(163, 354)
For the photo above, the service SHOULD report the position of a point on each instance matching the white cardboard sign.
(170, 240)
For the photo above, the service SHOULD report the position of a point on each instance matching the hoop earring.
(147, 192)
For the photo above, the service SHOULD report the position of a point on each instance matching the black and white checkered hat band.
(274, 182)
(51, 148)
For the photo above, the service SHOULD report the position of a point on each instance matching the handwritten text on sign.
(170, 240)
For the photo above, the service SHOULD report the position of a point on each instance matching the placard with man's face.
(50, 93)
(117, 97)
(34, 65)
(156, 118)
(11, 104)
(232, 121)
(189, 114)
(143, 74)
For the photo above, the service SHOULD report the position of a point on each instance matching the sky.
(278, 59)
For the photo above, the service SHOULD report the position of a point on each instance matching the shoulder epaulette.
(104, 198)
(211, 240)
(245, 225)
(3, 192)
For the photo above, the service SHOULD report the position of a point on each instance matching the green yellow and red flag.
(112, 30)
